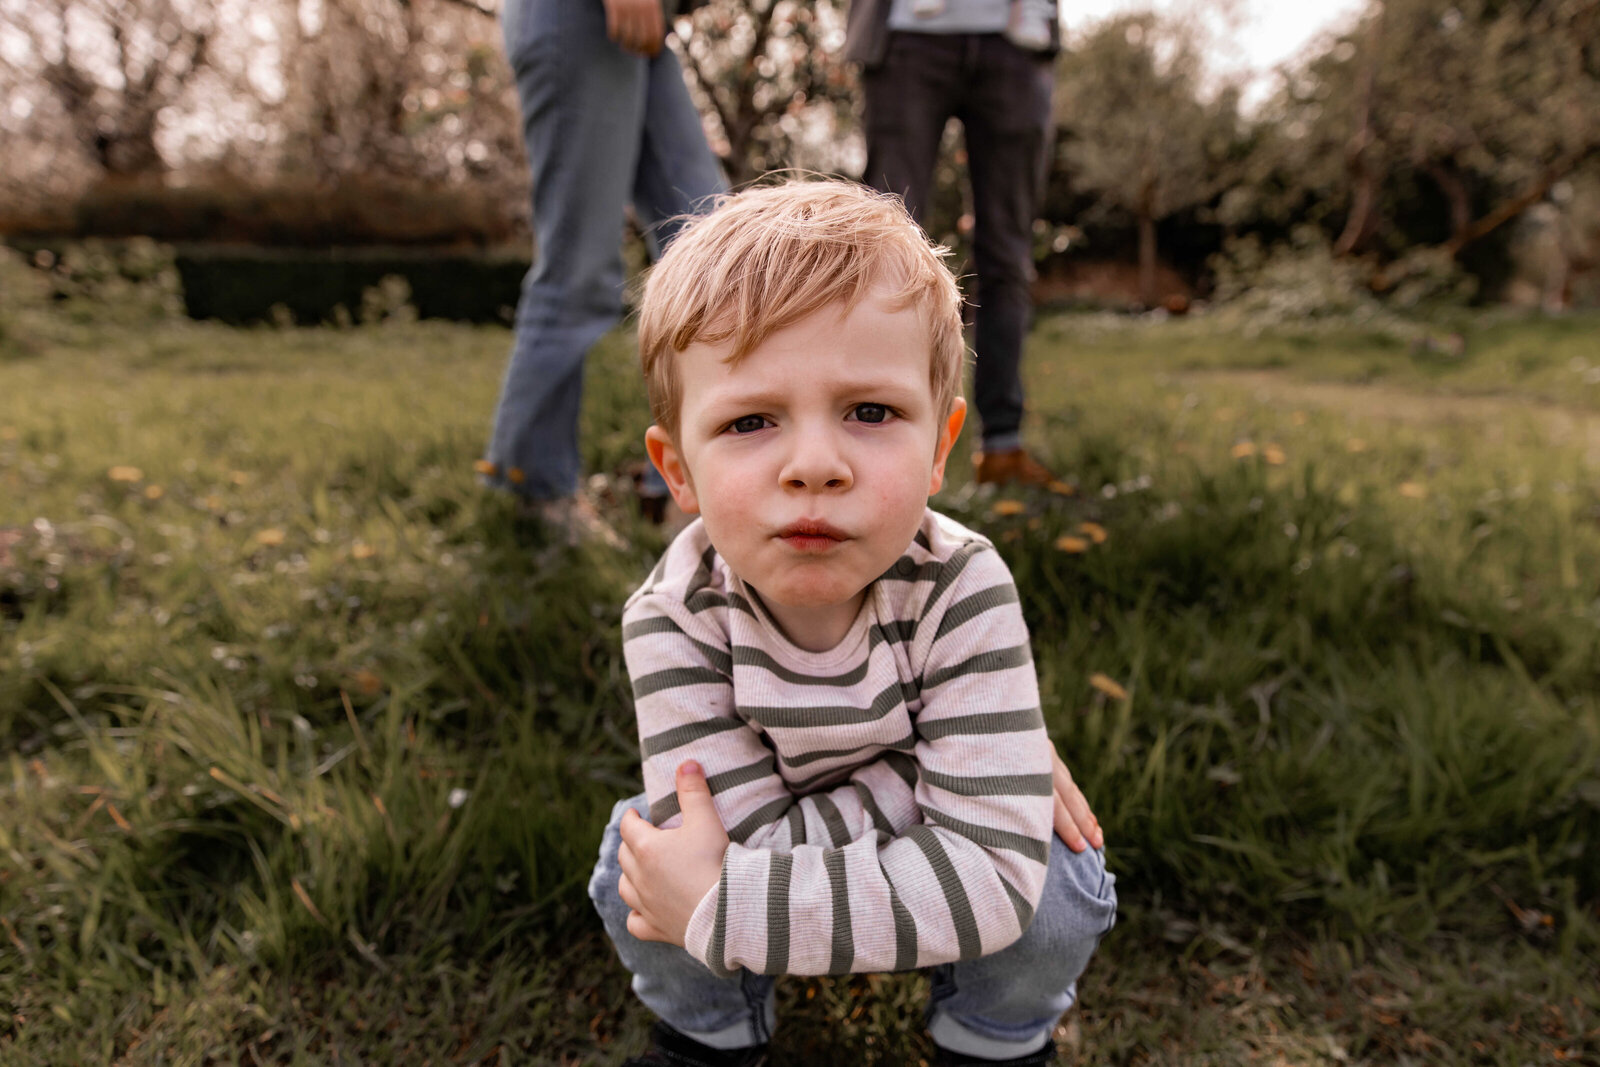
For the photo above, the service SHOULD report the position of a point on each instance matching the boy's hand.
(1075, 823)
(636, 25)
(666, 873)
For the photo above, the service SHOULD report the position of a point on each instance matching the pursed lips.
(811, 535)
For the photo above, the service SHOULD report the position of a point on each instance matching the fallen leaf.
(1093, 531)
(1108, 686)
(125, 474)
(367, 682)
(1072, 545)
(271, 537)
(1008, 507)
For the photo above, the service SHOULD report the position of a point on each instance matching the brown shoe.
(1015, 466)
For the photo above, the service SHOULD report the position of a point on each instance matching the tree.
(1488, 103)
(112, 67)
(768, 75)
(1139, 133)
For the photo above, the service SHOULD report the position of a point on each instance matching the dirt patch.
(1570, 427)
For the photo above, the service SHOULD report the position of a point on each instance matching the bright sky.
(1248, 37)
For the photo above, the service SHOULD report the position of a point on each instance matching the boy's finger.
(634, 828)
(625, 890)
(1067, 828)
(694, 796)
(644, 929)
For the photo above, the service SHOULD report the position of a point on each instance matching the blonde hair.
(771, 255)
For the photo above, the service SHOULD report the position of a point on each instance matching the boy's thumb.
(694, 794)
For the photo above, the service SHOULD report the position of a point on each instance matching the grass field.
(310, 743)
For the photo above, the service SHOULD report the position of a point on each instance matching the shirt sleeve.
(681, 667)
(961, 879)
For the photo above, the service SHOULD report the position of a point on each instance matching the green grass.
(311, 742)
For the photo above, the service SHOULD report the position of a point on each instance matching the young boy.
(844, 757)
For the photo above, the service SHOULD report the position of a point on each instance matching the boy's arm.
(961, 882)
(683, 698)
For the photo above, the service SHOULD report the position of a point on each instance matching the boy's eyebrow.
(866, 388)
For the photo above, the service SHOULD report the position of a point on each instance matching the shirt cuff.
(697, 937)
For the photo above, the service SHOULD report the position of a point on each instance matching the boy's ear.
(669, 461)
(947, 437)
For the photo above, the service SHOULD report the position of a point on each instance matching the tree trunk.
(1147, 258)
(1448, 179)
(1363, 220)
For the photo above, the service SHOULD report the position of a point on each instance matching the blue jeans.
(603, 128)
(996, 1007)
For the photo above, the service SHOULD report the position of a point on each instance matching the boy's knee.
(607, 869)
(1079, 902)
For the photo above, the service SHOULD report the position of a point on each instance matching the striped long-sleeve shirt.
(888, 801)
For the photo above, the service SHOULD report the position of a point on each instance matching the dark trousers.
(1001, 95)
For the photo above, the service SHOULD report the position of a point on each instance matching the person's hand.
(636, 25)
(1075, 823)
(666, 873)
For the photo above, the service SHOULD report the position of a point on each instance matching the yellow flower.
(1072, 545)
(1106, 685)
(1060, 488)
(1008, 507)
(362, 550)
(1273, 454)
(1413, 490)
(271, 537)
(125, 474)
(154, 492)
(1243, 450)
(485, 468)
(1094, 531)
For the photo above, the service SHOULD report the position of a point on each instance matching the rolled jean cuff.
(1002, 442)
(953, 1037)
(742, 1034)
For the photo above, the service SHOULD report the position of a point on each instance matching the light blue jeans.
(996, 1007)
(603, 128)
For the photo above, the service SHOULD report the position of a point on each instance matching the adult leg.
(677, 176)
(583, 106)
(723, 1013)
(906, 101)
(1006, 117)
(1005, 1005)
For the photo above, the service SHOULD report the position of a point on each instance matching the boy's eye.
(871, 413)
(748, 424)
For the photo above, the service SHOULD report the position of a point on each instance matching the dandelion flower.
(1243, 450)
(1008, 507)
(272, 536)
(1072, 545)
(1093, 531)
(362, 550)
(486, 468)
(1413, 490)
(154, 492)
(1274, 455)
(125, 474)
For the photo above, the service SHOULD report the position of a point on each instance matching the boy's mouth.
(811, 535)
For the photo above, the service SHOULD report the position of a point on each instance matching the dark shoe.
(668, 1048)
(1016, 467)
(1046, 1054)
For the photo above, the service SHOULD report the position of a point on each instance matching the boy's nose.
(815, 465)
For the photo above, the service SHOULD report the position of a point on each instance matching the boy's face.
(812, 459)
